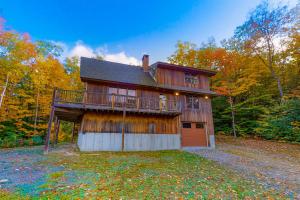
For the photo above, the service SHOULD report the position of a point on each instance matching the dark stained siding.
(112, 123)
(203, 114)
(176, 78)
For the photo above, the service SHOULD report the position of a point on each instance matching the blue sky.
(123, 30)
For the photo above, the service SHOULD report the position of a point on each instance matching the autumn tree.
(263, 33)
(16, 56)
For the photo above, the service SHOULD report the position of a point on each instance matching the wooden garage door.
(193, 135)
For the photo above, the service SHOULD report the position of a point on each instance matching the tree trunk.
(278, 82)
(36, 110)
(3, 91)
(270, 66)
(232, 115)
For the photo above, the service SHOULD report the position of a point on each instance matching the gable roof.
(99, 70)
(95, 69)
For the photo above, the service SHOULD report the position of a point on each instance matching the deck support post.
(46, 149)
(47, 140)
(73, 130)
(123, 127)
(57, 131)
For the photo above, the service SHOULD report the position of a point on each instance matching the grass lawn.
(139, 175)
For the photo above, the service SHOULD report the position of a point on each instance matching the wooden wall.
(176, 78)
(203, 114)
(112, 123)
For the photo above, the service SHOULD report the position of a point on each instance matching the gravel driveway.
(275, 165)
(21, 168)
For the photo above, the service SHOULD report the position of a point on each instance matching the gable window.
(192, 102)
(190, 79)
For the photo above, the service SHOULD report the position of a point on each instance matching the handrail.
(115, 101)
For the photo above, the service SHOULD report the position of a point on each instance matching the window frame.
(201, 125)
(194, 103)
(190, 79)
(185, 123)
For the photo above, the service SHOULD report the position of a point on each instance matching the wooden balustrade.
(114, 101)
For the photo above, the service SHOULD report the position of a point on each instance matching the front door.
(193, 135)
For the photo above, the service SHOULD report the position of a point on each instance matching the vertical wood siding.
(176, 78)
(203, 114)
(112, 123)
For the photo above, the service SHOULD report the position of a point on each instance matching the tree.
(262, 33)
(15, 57)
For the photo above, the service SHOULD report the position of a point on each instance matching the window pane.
(132, 93)
(189, 101)
(199, 125)
(186, 125)
(191, 79)
(113, 90)
(196, 103)
(122, 91)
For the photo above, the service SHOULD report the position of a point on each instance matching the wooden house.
(132, 108)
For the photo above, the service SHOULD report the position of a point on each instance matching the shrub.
(281, 122)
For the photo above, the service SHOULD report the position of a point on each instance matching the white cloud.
(82, 50)
(121, 58)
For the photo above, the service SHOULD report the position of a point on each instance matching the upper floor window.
(190, 79)
(121, 91)
(131, 93)
(192, 102)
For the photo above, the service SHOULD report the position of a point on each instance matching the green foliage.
(281, 122)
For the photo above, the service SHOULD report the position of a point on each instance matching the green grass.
(143, 175)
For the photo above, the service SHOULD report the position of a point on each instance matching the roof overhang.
(187, 69)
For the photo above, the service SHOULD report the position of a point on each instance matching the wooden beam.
(55, 127)
(46, 148)
(57, 131)
(123, 127)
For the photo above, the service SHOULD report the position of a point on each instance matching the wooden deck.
(77, 102)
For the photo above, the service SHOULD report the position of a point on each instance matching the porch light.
(176, 93)
(206, 97)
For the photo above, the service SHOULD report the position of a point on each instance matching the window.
(186, 125)
(192, 102)
(190, 79)
(131, 93)
(199, 125)
(152, 128)
(122, 91)
(112, 90)
(121, 99)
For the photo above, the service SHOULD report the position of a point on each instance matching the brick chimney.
(145, 61)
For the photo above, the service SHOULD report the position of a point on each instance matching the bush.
(37, 140)
(281, 122)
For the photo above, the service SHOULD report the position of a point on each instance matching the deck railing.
(114, 101)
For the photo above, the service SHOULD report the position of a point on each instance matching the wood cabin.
(134, 108)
